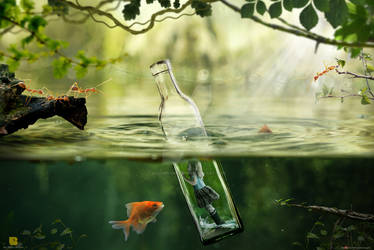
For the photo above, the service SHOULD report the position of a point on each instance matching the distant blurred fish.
(140, 214)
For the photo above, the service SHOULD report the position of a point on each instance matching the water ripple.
(141, 137)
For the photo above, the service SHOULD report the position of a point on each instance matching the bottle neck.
(166, 83)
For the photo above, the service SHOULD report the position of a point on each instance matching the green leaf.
(26, 40)
(370, 68)
(53, 230)
(47, 9)
(83, 236)
(38, 229)
(340, 62)
(80, 71)
(60, 69)
(323, 232)
(27, 5)
(288, 4)
(358, 2)
(308, 17)
(164, 3)
(247, 10)
(365, 100)
(35, 22)
(176, 4)
(39, 236)
(299, 3)
(367, 56)
(355, 52)
(55, 44)
(26, 232)
(322, 5)
(337, 13)
(260, 7)
(296, 243)
(311, 235)
(131, 10)
(202, 8)
(66, 231)
(275, 10)
(318, 223)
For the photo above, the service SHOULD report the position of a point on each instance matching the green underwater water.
(86, 194)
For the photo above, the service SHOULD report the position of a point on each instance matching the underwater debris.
(19, 111)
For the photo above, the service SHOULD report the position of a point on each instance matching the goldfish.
(139, 215)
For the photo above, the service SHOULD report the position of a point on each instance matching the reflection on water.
(141, 137)
(85, 195)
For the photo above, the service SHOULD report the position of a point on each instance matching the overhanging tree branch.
(94, 10)
(298, 32)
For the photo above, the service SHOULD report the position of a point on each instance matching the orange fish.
(140, 214)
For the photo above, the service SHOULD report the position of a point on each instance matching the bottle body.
(220, 218)
(202, 181)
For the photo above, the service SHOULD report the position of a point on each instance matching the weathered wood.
(19, 111)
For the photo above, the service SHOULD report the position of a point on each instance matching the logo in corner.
(13, 241)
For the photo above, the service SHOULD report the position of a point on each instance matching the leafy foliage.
(275, 9)
(247, 10)
(24, 17)
(202, 9)
(59, 237)
(365, 93)
(260, 7)
(322, 5)
(308, 17)
(338, 235)
(352, 20)
(132, 9)
(337, 13)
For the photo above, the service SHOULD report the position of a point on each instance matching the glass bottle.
(178, 114)
(202, 180)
